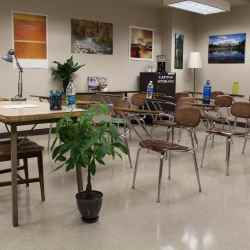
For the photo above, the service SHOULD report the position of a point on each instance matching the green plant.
(85, 144)
(64, 71)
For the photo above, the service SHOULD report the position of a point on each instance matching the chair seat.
(220, 131)
(25, 149)
(215, 118)
(161, 146)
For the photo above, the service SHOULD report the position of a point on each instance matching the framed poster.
(30, 39)
(141, 43)
(227, 48)
(179, 45)
(91, 37)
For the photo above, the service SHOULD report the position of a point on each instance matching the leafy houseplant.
(64, 72)
(85, 144)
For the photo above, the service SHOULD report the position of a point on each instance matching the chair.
(179, 95)
(216, 93)
(188, 118)
(26, 150)
(221, 113)
(117, 101)
(138, 100)
(238, 110)
(241, 110)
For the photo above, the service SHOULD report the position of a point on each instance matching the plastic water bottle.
(150, 90)
(71, 95)
(207, 91)
(235, 88)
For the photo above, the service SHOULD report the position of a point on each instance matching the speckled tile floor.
(216, 219)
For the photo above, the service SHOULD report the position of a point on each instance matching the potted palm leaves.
(64, 72)
(84, 143)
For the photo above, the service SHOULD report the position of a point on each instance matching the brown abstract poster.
(30, 39)
(91, 37)
(141, 43)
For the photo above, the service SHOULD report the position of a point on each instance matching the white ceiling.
(158, 3)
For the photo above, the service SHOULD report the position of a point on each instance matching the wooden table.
(33, 113)
(86, 103)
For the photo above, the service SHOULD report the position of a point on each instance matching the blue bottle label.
(71, 100)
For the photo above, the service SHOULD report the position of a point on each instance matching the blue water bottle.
(207, 91)
(150, 90)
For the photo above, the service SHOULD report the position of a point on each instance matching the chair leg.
(41, 175)
(179, 135)
(172, 132)
(26, 170)
(129, 153)
(244, 145)
(136, 167)
(195, 161)
(204, 150)
(160, 177)
(228, 151)
(169, 165)
(196, 139)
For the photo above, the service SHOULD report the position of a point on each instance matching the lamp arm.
(18, 64)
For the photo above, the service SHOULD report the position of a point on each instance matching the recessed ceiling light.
(204, 7)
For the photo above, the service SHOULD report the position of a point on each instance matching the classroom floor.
(216, 219)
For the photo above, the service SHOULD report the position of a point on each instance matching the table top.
(22, 113)
(86, 103)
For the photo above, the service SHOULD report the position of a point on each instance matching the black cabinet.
(164, 83)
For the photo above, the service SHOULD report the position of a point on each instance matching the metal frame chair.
(238, 110)
(187, 118)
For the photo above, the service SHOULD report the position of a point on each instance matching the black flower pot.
(89, 205)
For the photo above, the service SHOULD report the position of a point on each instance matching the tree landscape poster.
(91, 37)
(30, 40)
(141, 43)
(179, 44)
(227, 48)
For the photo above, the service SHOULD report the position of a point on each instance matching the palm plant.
(65, 71)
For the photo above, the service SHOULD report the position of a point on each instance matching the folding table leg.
(14, 175)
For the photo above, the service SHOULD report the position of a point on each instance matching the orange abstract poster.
(30, 38)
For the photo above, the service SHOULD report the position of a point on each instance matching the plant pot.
(89, 206)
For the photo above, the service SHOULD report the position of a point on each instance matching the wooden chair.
(26, 150)
(188, 118)
(138, 100)
(216, 93)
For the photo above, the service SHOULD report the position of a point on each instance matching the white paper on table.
(20, 106)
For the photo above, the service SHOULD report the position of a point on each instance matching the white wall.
(222, 75)
(121, 72)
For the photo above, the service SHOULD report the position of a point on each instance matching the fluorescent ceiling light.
(204, 7)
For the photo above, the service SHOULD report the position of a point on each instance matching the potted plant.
(84, 143)
(65, 71)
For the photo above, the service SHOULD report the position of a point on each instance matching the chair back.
(188, 117)
(223, 101)
(216, 93)
(241, 110)
(179, 95)
(138, 100)
(185, 101)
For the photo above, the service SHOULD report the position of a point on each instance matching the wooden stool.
(26, 149)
